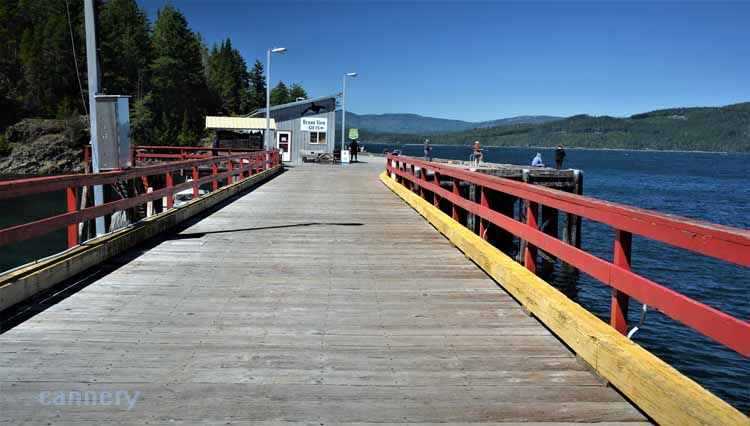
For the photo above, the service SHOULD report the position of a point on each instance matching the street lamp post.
(267, 135)
(343, 109)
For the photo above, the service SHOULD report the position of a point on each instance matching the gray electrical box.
(113, 132)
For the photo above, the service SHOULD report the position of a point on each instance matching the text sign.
(314, 124)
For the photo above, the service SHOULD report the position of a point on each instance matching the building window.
(318, 138)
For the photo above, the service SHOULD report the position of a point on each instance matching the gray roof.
(293, 104)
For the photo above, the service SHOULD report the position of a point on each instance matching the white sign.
(345, 156)
(314, 124)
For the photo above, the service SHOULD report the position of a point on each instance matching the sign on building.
(314, 124)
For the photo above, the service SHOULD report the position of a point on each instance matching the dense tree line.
(724, 129)
(173, 77)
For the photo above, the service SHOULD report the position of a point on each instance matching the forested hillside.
(174, 77)
(691, 129)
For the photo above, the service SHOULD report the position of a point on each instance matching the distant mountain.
(722, 129)
(413, 123)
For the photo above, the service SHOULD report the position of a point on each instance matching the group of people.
(559, 158)
(478, 155)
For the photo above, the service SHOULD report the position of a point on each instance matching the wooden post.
(549, 227)
(456, 193)
(195, 179)
(472, 221)
(170, 196)
(620, 300)
(523, 208)
(230, 178)
(578, 176)
(214, 172)
(529, 260)
(72, 207)
(484, 202)
(436, 181)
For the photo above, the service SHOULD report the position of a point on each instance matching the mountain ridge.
(408, 123)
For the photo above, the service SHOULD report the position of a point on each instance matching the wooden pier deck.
(318, 298)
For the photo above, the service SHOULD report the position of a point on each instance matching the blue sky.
(482, 61)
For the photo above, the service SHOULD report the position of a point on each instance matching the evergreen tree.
(296, 91)
(179, 93)
(228, 79)
(279, 94)
(257, 93)
(124, 48)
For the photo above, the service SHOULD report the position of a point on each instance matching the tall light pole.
(267, 135)
(343, 109)
(93, 73)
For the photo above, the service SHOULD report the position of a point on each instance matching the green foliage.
(257, 93)
(689, 129)
(279, 94)
(174, 80)
(179, 92)
(295, 92)
(228, 79)
(124, 48)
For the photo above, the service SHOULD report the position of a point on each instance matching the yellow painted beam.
(24, 283)
(662, 392)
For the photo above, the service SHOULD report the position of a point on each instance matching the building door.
(284, 144)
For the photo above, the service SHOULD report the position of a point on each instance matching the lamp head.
(278, 50)
(351, 74)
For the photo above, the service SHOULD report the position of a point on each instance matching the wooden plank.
(661, 391)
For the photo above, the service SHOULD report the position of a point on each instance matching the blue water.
(707, 186)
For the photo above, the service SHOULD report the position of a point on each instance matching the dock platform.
(318, 298)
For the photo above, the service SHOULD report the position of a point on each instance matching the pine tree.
(279, 94)
(124, 47)
(257, 93)
(179, 92)
(228, 78)
(296, 91)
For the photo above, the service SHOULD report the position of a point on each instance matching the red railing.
(237, 165)
(140, 154)
(721, 242)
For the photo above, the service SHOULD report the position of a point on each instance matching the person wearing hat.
(477, 153)
(427, 150)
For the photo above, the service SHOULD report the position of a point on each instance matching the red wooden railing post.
(72, 206)
(484, 203)
(620, 300)
(230, 178)
(436, 182)
(529, 260)
(195, 179)
(455, 191)
(170, 196)
(239, 163)
(214, 172)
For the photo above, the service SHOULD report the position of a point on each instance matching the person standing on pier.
(427, 150)
(477, 153)
(354, 149)
(559, 156)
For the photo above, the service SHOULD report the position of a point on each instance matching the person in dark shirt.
(559, 156)
(354, 149)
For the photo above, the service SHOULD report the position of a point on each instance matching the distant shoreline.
(572, 148)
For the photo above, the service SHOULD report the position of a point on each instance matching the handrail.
(240, 164)
(718, 241)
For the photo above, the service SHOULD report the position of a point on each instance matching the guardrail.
(237, 165)
(717, 241)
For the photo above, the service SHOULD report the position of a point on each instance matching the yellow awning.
(238, 123)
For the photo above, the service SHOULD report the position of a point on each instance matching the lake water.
(707, 186)
(712, 187)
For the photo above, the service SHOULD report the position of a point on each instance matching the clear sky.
(482, 61)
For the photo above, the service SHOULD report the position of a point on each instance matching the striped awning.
(238, 123)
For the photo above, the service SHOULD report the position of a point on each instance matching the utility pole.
(93, 70)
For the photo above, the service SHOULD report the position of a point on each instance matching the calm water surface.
(706, 186)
